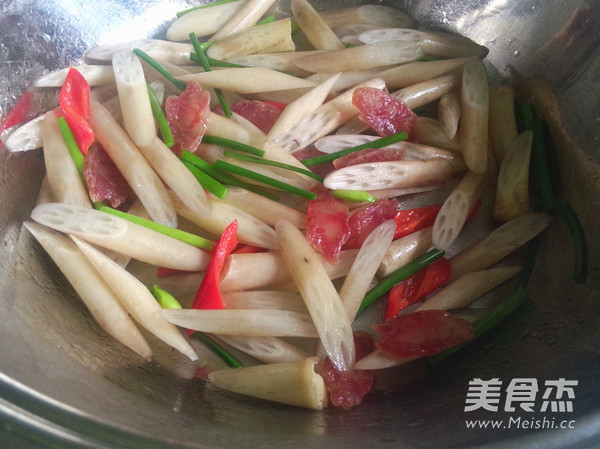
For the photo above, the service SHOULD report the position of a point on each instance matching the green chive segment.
(215, 62)
(398, 276)
(178, 234)
(265, 179)
(159, 68)
(272, 163)
(206, 181)
(71, 143)
(233, 145)
(379, 143)
(164, 298)
(223, 354)
(223, 177)
(161, 119)
(354, 196)
(206, 66)
(185, 11)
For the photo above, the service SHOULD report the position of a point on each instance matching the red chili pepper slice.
(412, 220)
(208, 295)
(417, 286)
(277, 104)
(18, 113)
(246, 249)
(74, 100)
(164, 272)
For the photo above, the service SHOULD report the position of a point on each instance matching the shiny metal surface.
(63, 380)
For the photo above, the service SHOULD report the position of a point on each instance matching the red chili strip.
(208, 295)
(74, 100)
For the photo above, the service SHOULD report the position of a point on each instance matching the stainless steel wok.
(64, 383)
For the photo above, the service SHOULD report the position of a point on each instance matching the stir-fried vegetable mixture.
(299, 168)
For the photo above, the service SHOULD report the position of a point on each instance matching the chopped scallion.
(267, 180)
(178, 234)
(272, 163)
(71, 144)
(223, 177)
(547, 184)
(379, 143)
(539, 166)
(219, 350)
(216, 62)
(580, 247)
(354, 196)
(164, 298)
(268, 19)
(159, 68)
(207, 182)
(398, 276)
(529, 262)
(206, 66)
(185, 11)
(161, 119)
(233, 145)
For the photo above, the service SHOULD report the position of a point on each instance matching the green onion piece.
(552, 161)
(233, 145)
(379, 143)
(207, 182)
(488, 321)
(223, 354)
(398, 276)
(76, 155)
(206, 66)
(268, 19)
(539, 165)
(71, 143)
(205, 45)
(185, 11)
(294, 27)
(493, 317)
(161, 119)
(581, 266)
(216, 62)
(100, 204)
(223, 177)
(540, 175)
(354, 196)
(272, 163)
(178, 234)
(210, 170)
(265, 180)
(220, 63)
(529, 261)
(545, 175)
(164, 298)
(159, 68)
(524, 116)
